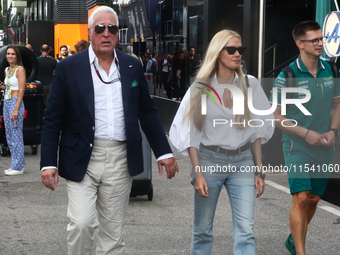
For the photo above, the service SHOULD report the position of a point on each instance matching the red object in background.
(148, 77)
(25, 114)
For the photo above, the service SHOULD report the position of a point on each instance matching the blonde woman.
(218, 142)
(14, 86)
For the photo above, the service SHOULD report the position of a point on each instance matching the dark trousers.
(165, 76)
(46, 92)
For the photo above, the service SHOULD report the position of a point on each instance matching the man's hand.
(201, 187)
(330, 137)
(50, 178)
(170, 167)
(259, 186)
(314, 138)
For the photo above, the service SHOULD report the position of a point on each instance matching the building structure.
(54, 22)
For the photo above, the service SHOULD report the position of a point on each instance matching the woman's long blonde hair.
(207, 71)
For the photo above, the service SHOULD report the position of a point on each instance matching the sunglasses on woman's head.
(113, 29)
(231, 50)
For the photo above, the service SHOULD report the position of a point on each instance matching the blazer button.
(93, 127)
(90, 144)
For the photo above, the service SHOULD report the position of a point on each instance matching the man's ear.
(299, 44)
(89, 33)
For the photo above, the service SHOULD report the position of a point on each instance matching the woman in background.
(14, 86)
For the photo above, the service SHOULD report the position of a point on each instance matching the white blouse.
(218, 129)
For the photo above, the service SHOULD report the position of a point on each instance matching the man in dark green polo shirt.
(308, 140)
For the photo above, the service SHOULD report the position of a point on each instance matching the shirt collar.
(93, 57)
(235, 82)
(302, 67)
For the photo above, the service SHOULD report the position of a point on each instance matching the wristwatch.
(335, 131)
(260, 174)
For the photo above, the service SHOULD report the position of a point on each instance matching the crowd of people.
(91, 135)
(173, 73)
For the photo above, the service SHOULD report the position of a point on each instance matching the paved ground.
(33, 219)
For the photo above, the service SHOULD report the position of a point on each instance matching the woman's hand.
(15, 114)
(2, 86)
(259, 186)
(201, 187)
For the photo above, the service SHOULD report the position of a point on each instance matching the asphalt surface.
(33, 218)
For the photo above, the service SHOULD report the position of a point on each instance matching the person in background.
(63, 53)
(29, 46)
(69, 50)
(179, 75)
(152, 67)
(47, 65)
(193, 134)
(14, 109)
(192, 64)
(129, 51)
(81, 45)
(166, 69)
(145, 59)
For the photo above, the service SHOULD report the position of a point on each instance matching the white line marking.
(331, 210)
(278, 186)
(286, 190)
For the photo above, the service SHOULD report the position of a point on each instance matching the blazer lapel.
(126, 79)
(82, 73)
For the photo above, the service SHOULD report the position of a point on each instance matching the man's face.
(308, 46)
(192, 52)
(63, 51)
(105, 42)
(181, 56)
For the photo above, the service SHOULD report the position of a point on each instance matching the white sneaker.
(9, 169)
(14, 172)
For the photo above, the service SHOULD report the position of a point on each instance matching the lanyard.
(98, 74)
(9, 75)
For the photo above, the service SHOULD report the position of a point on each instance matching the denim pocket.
(247, 155)
(206, 154)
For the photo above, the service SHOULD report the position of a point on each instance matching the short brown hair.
(81, 45)
(303, 27)
(63, 46)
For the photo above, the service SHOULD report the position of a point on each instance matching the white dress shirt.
(184, 134)
(108, 103)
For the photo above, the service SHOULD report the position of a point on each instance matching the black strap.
(290, 79)
(335, 71)
(247, 80)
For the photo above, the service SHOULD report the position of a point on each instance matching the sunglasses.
(232, 50)
(113, 29)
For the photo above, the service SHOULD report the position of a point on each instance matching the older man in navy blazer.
(96, 100)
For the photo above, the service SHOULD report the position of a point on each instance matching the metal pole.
(336, 5)
(261, 34)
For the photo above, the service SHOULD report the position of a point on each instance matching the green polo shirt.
(322, 89)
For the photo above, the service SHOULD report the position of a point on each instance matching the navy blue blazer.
(69, 120)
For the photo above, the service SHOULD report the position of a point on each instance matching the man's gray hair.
(100, 10)
(129, 49)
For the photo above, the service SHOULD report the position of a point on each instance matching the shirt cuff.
(165, 156)
(47, 167)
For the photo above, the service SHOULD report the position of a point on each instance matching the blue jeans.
(241, 191)
(14, 136)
